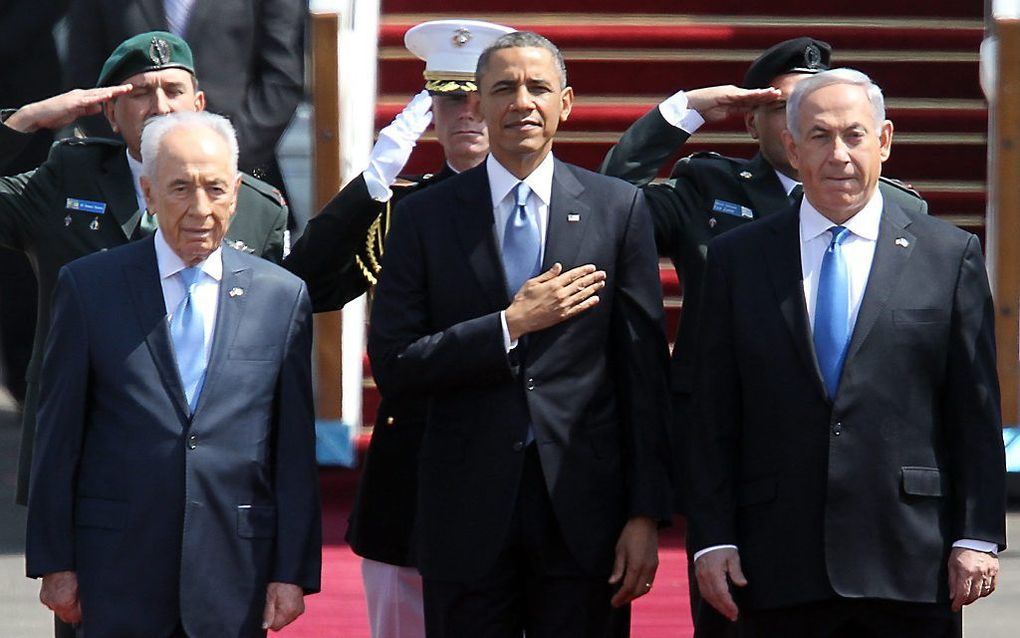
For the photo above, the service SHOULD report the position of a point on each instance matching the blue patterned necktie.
(177, 14)
(522, 242)
(187, 330)
(832, 311)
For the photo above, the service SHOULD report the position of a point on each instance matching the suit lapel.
(230, 310)
(763, 187)
(890, 259)
(474, 228)
(150, 309)
(569, 218)
(783, 258)
(117, 185)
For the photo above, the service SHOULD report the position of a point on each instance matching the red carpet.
(339, 610)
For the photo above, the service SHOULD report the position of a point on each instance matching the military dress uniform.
(80, 201)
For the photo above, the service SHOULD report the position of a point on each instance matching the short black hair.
(521, 39)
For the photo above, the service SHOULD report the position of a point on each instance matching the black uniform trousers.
(853, 618)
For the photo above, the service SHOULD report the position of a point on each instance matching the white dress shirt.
(207, 289)
(859, 253)
(501, 187)
(136, 174)
(674, 110)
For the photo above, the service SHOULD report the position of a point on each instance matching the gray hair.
(521, 39)
(156, 128)
(809, 85)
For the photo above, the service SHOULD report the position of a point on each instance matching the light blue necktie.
(832, 311)
(522, 242)
(187, 329)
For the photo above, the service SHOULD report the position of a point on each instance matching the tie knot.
(521, 193)
(189, 276)
(839, 235)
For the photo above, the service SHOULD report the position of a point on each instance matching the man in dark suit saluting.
(848, 471)
(543, 470)
(174, 488)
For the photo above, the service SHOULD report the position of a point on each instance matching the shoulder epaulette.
(895, 183)
(268, 191)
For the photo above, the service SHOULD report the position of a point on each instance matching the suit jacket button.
(837, 429)
(518, 446)
(390, 420)
(531, 384)
(192, 442)
(712, 222)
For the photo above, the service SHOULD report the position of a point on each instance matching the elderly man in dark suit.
(522, 299)
(87, 197)
(175, 491)
(848, 472)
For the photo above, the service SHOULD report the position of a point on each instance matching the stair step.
(902, 74)
(615, 115)
(654, 32)
(912, 156)
(716, 8)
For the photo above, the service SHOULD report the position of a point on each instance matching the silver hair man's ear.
(809, 85)
(156, 128)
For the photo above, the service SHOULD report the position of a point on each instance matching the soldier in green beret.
(86, 196)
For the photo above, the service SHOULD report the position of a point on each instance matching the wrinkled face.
(522, 102)
(840, 155)
(460, 129)
(154, 93)
(194, 191)
(767, 122)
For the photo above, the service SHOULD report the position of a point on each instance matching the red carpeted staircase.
(923, 53)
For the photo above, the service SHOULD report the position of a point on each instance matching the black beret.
(152, 51)
(799, 55)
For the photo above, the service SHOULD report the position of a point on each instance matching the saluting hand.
(63, 109)
(719, 102)
(553, 297)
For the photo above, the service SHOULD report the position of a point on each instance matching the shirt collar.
(864, 224)
(502, 181)
(170, 263)
(136, 173)
(788, 182)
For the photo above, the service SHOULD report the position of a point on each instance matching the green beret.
(152, 51)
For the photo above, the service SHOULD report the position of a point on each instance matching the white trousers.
(394, 597)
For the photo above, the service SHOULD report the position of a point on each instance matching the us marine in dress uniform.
(86, 196)
(708, 194)
(340, 255)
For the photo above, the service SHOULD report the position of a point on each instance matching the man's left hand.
(637, 558)
(972, 575)
(284, 603)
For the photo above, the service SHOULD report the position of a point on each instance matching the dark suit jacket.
(861, 497)
(249, 59)
(689, 211)
(594, 387)
(35, 219)
(168, 517)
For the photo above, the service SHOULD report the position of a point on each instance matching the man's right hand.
(553, 297)
(719, 102)
(63, 109)
(59, 592)
(715, 571)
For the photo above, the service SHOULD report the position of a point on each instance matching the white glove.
(394, 146)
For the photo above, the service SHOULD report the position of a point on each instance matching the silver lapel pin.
(902, 242)
(236, 292)
(573, 217)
